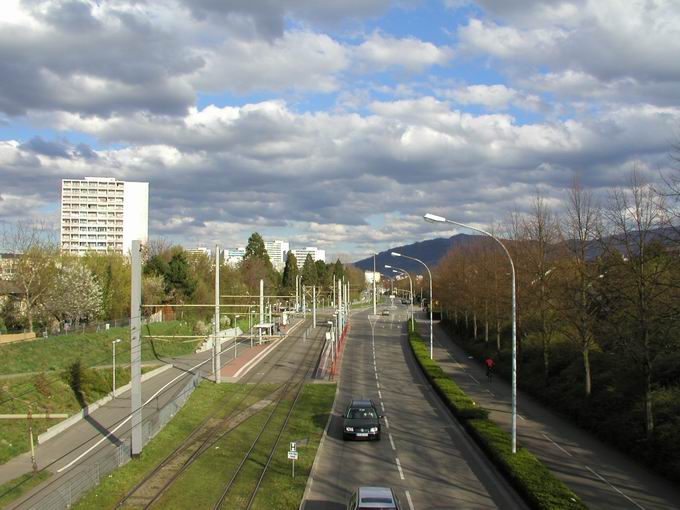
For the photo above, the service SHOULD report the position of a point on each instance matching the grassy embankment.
(200, 486)
(60, 352)
(532, 480)
(66, 391)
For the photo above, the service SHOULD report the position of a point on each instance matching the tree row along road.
(424, 454)
(603, 477)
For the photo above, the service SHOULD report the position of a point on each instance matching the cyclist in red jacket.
(490, 364)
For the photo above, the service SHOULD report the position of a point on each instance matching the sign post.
(293, 455)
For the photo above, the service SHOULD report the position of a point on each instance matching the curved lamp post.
(395, 254)
(410, 283)
(433, 218)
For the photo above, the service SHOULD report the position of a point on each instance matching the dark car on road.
(374, 498)
(361, 420)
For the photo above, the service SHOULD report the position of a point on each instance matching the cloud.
(380, 52)
(51, 149)
(298, 60)
(609, 43)
(265, 166)
(496, 97)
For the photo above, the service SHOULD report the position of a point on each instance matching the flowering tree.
(75, 295)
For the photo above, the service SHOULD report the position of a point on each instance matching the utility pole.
(297, 293)
(304, 301)
(217, 348)
(261, 310)
(375, 299)
(314, 305)
(136, 348)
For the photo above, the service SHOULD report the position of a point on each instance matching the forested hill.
(430, 252)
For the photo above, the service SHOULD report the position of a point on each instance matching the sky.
(333, 124)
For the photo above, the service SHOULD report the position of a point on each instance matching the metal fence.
(64, 492)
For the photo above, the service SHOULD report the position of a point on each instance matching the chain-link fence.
(64, 492)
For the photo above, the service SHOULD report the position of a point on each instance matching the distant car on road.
(365, 498)
(385, 312)
(361, 420)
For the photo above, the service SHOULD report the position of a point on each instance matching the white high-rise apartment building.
(233, 257)
(301, 255)
(103, 214)
(277, 251)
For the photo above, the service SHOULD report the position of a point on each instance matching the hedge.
(534, 482)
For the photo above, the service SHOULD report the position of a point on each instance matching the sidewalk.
(602, 476)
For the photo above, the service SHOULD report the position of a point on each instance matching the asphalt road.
(91, 439)
(602, 476)
(424, 453)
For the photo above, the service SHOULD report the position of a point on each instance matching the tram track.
(293, 387)
(214, 428)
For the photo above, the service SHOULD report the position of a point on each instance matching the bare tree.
(641, 268)
(581, 228)
(542, 233)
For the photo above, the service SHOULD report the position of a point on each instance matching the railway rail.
(214, 428)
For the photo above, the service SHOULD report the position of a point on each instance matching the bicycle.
(489, 373)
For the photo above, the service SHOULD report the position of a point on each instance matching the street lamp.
(433, 218)
(410, 283)
(395, 254)
(113, 375)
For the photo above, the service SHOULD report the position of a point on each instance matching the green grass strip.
(535, 483)
(14, 489)
(204, 401)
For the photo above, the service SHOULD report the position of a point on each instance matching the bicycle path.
(602, 476)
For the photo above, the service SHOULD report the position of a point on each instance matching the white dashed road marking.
(392, 442)
(617, 490)
(408, 498)
(553, 442)
(401, 472)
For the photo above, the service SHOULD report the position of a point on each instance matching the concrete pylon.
(136, 348)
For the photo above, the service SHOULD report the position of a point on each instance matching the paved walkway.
(601, 475)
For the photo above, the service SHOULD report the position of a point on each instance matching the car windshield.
(361, 413)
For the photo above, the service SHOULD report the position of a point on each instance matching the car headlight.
(349, 429)
(374, 429)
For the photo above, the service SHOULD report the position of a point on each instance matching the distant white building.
(370, 276)
(7, 262)
(234, 256)
(103, 214)
(277, 251)
(301, 255)
(201, 250)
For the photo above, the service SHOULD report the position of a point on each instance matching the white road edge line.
(129, 417)
(387, 423)
(401, 472)
(472, 377)
(617, 490)
(408, 498)
(392, 442)
(553, 442)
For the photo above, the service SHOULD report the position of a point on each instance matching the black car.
(361, 420)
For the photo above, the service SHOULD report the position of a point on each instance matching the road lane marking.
(392, 442)
(387, 423)
(472, 377)
(553, 442)
(379, 394)
(617, 490)
(129, 417)
(382, 406)
(408, 498)
(378, 384)
(401, 472)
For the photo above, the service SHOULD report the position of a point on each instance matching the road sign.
(293, 446)
(293, 455)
